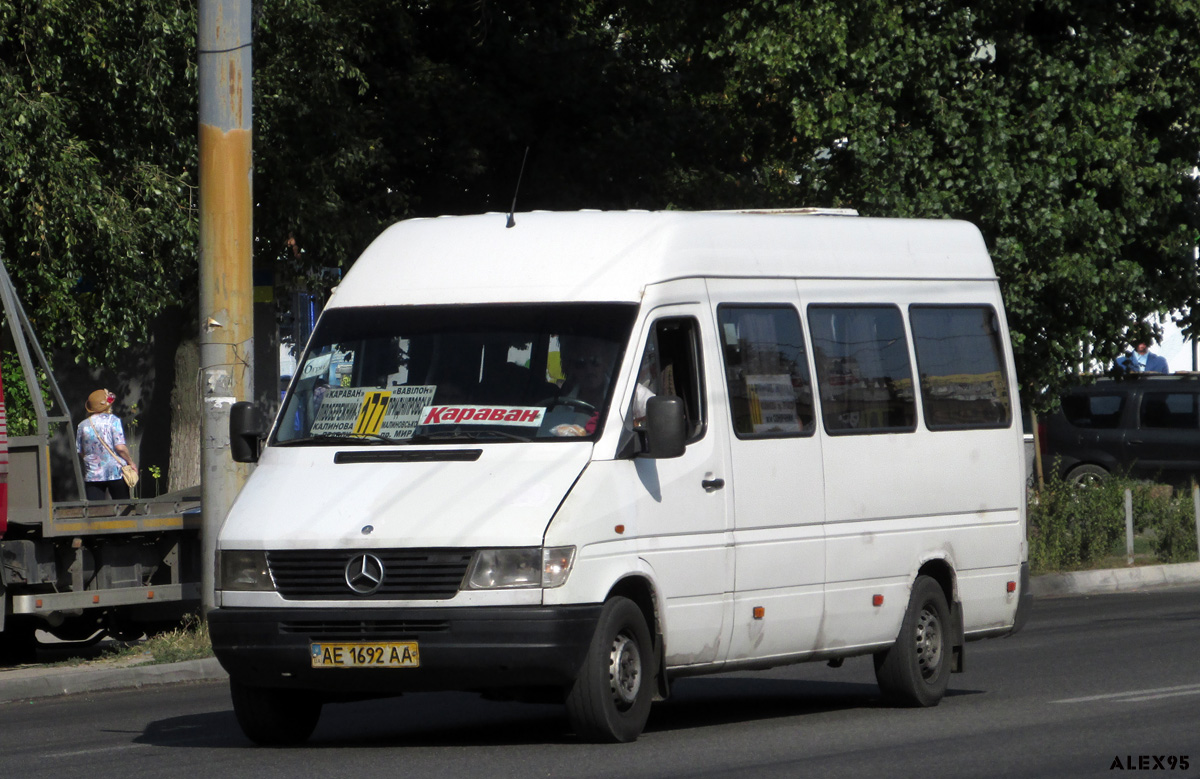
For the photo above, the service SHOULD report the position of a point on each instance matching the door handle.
(712, 484)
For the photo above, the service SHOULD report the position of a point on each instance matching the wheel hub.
(624, 670)
(929, 643)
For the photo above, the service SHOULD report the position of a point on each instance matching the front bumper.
(467, 648)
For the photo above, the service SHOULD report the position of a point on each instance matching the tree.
(1067, 130)
(97, 164)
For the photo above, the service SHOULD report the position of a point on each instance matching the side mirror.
(666, 427)
(243, 433)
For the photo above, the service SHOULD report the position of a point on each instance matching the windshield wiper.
(343, 438)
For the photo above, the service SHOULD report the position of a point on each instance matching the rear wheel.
(274, 717)
(915, 671)
(18, 641)
(610, 700)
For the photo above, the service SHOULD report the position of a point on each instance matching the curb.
(1113, 580)
(41, 682)
(34, 682)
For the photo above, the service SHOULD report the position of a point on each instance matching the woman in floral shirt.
(101, 470)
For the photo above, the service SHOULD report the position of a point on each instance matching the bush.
(1172, 523)
(1077, 526)
(1073, 526)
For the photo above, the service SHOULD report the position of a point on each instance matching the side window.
(1169, 410)
(766, 368)
(960, 360)
(863, 372)
(671, 366)
(1098, 412)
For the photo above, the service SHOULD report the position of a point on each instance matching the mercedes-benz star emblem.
(364, 574)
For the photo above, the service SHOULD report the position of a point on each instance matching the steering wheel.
(575, 403)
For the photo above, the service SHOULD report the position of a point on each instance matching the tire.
(1082, 475)
(915, 671)
(18, 641)
(273, 717)
(610, 699)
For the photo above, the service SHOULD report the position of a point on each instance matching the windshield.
(432, 374)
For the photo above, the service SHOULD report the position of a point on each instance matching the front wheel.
(915, 671)
(274, 717)
(610, 700)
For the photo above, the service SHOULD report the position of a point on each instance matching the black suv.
(1147, 426)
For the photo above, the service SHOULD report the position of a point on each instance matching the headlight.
(242, 570)
(493, 569)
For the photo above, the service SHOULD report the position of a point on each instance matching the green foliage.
(1077, 526)
(19, 410)
(1170, 519)
(1072, 527)
(97, 166)
(189, 641)
(1067, 130)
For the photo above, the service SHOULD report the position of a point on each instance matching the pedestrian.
(100, 440)
(1142, 360)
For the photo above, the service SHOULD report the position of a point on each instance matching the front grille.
(363, 630)
(408, 574)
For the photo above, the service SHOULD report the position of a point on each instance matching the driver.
(587, 365)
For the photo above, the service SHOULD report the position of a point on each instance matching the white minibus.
(585, 455)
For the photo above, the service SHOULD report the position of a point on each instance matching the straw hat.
(100, 401)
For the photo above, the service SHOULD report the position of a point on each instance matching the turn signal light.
(759, 612)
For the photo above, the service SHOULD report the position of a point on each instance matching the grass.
(189, 641)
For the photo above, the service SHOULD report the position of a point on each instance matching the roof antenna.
(513, 222)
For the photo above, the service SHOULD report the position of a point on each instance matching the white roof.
(613, 255)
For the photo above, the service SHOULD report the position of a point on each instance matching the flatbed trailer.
(78, 569)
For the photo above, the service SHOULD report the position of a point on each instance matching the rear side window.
(1098, 412)
(960, 360)
(863, 371)
(766, 368)
(1169, 411)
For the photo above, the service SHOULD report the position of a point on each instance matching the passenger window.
(766, 369)
(671, 366)
(863, 372)
(1169, 411)
(1098, 412)
(960, 360)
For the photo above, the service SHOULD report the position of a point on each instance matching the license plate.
(387, 654)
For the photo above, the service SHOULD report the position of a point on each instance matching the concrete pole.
(226, 276)
(1196, 510)
(1129, 526)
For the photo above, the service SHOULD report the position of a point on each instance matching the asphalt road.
(1091, 680)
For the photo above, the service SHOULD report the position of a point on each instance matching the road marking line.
(97, 750)
(1138, 695)
(1162, 695)
(118, 747)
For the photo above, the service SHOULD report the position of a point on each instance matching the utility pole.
(226, 242)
